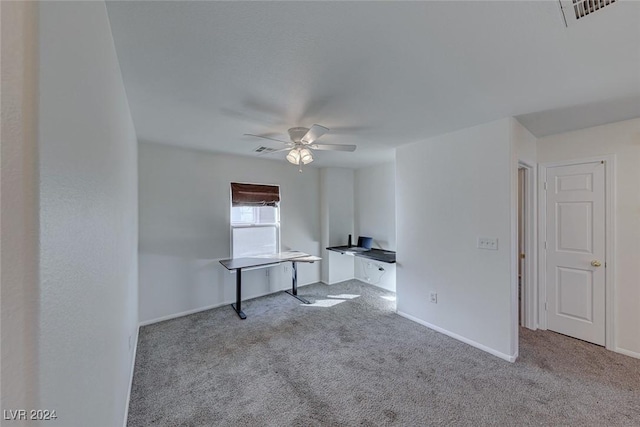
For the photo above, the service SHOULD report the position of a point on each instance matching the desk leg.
(238, 305)
(294, 286)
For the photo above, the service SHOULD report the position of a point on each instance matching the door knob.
(595, 263)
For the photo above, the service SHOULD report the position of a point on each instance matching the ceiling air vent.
(264, 150)
(583, 8)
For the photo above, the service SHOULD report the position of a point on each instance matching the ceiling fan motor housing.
(296, 134)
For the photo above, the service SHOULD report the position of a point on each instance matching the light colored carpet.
(357, 363)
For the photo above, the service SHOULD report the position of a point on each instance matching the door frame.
(609, 218)
(530, 290)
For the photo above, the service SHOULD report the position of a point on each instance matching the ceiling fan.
(303, 142)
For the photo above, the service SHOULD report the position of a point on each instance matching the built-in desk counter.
(381, 255)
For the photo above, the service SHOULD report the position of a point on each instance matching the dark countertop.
(381, 255)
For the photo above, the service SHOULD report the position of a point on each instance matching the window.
(255, 230)
(255, 220)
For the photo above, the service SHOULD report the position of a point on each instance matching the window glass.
(244, 215)
(252, 241)
(255, 230)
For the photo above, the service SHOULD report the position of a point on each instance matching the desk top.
(261, 260)
(381, 255)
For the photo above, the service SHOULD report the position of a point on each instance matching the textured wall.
(337, 221)
(375, 216)
(184, 227)
(19, 206)
(450, 190)
(88, 219)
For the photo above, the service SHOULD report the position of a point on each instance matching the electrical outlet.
(286, 268)
(490, 243)
(433, 297)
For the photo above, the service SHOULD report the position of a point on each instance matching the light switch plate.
(490, 243)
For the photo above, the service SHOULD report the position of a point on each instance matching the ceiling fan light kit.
(299, 156)
(305, 156)
(294, 157)
(303, 143)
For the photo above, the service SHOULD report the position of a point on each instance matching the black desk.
(238, 264)
(381, 255)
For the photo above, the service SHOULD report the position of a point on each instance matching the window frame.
(254, 225)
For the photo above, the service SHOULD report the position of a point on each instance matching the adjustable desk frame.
(239, 263)
(294, 283)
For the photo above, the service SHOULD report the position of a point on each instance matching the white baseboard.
(507, 357)
(209, 307)
(182, 313)
(359, 280)
(377, 285)
(133, 365)
(338, 281)
(615, 349)
(627, 352)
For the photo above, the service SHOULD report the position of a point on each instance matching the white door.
(575, 251)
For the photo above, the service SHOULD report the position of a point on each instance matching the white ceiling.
(378, 74)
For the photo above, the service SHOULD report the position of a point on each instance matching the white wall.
(375, 204)
(450, 190)
(337, 207)
(375, 216)
(524, 143)
(184, 228)
(88, 219)
(623, 140)
(19, 205)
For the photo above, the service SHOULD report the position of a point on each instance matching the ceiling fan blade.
(333, 147)
(266, 153)
(314, 133)
(266, 137)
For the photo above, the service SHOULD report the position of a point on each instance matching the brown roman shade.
(254, 194)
